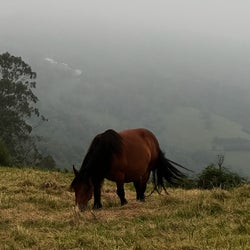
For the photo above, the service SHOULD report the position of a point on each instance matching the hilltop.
(37, 212)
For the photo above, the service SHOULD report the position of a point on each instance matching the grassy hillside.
(37, 212)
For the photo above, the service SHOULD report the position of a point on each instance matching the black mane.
(99, 156)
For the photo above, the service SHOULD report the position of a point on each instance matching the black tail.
(165, 170)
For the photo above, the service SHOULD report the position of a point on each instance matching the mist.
(179, 68)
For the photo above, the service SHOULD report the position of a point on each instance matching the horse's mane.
(99, 156)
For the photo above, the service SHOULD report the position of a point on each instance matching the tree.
(17, 105)
(221, 159)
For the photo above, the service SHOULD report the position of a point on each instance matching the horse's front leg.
(120, 192)
(97, 196)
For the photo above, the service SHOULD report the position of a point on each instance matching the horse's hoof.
(124, 202)
(141, 199)
(97, 206)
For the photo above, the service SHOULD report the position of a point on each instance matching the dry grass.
(37, 212)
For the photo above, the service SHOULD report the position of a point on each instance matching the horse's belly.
(131, 174)
(136, 174)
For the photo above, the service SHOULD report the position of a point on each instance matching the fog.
(179, 68)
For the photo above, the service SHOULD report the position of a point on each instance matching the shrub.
(47, 163)
(213, 176)
(4, 154)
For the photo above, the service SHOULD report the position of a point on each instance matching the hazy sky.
(221, 19)
(66, 31)
(205, 38)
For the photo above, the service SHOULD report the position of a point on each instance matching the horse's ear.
(75, 170)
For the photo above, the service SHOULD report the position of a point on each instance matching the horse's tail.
(165, 170)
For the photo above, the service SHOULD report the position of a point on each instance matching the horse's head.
(83, 189)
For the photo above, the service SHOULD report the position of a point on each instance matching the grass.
(37, 212)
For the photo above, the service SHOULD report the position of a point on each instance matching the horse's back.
(140, 138)
(139, 155)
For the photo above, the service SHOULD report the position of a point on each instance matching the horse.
(122, 157)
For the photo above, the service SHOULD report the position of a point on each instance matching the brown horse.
(127, 156)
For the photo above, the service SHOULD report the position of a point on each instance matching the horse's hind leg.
(140, 190)
(121, 193)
